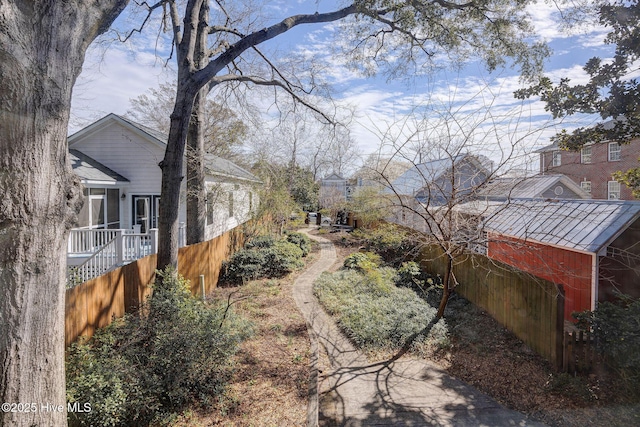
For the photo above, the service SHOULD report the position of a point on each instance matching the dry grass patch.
(269, 386)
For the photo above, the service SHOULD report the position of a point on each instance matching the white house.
(117, 161)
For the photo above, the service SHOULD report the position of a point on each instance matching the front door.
(97, 211)
(145, 212)
(141, 214)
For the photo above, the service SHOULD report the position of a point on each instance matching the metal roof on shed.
(584, 225)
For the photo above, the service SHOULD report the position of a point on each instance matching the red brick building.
(593, 166)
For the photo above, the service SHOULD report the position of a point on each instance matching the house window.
(556, 159)
(585, 155)
(230, 204)
(586, 186)
(614, 151)
(613, 188)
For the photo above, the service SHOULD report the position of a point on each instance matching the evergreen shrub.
(145, 368)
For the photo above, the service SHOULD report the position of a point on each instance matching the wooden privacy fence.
(580, 353)
(531, 308)
(95, 303)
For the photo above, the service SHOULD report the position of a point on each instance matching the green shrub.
(302, 240)
(266, 257)
(374, 313)
(363, 261)
(144, 369)
(265, 241)
(616, 329)
(246, 264)
(283, 258)
(392, 243)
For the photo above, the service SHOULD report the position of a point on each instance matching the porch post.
(154, 240)
(120, 249)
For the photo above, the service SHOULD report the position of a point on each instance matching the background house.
(437, 182)
(592, 167)
(433, 184)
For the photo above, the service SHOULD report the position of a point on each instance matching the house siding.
(133, 157)
(600, 169)
(224, 217)
(573, 270)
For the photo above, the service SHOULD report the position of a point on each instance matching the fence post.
(202, 288)
(560, 348)
(154, 240)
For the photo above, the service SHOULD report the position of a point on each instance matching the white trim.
(108, 120)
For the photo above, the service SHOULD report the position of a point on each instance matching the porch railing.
(89, 240)
(102, 261)
(93, 252)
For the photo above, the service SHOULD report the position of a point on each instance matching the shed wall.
(571, 269)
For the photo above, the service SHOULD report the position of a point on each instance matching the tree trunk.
(196, 189)
(42, 46)
(172, 175)
(446, 288)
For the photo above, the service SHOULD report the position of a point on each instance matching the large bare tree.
(42, 48)
(395, 35)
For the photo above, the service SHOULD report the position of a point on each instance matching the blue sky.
(386, 111)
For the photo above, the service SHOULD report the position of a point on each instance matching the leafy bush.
(411, 275)
(283, 258)
(265, 241)
(616, 328)
(144, 368)
(363, 261)
(389, 241)
(375, 316)
(264, 257)
(302, 240)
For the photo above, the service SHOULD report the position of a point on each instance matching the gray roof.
(414, 179)
(583, 225)
(218, 166)
(552, 147)
(333, 177)
(91, 170)
(531, 187)
(214, 165)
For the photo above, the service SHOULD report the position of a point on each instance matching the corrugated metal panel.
(580, 225)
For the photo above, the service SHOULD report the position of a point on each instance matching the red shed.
(591, 248)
